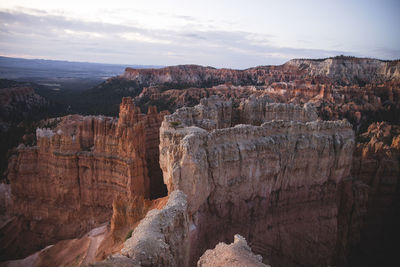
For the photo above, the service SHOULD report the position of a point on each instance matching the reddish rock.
(359, 104)
(276, 183)
(76, 171)
(377, 164)
(302, 205)
(343, 70)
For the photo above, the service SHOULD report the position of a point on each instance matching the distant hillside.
(350, 70)
(339, 70)
(60, 75)
(20, 107)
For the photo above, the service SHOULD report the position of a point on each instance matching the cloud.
(187, 18)
(40, 34)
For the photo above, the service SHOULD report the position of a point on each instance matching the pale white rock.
(236, 254)
(160, 239)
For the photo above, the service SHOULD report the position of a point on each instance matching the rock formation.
(361, 105)
(161, 238)
(184, 76)
(297, 80)
(350, 70)
(75, 172)
(236, 254)
(275, 184)
(347, 70)
(256, 160)
(377, 164)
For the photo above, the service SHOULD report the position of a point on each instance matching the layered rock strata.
(350, 70)
(74, 174)
(275, 184)
(346, 70)
(185, 76)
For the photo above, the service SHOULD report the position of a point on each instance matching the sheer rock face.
(377, 164)
(236, 254)
(343, 70)
(276, 184)
(350, 70)
(198, 76)
(160, 239)
(72, 176)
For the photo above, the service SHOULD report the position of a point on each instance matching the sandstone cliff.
(275, 184)
(74, 174)
(377, 164)
(342, 70)
(303, 77)
(255, 162)
(184, 76)
(349, 70)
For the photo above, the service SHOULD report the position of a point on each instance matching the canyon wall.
(275, 184)
(348, 70)
(344, 70)
(74, 174)
(377, 164)
(255, 161)
(177, 86)
(184, 76)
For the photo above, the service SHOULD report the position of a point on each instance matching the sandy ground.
(72, 252)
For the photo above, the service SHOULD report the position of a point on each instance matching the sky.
(219, 33)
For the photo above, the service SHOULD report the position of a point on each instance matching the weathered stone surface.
(284, 184)
(359, 104)
(350, 70)
(74, 174)
(160, 239)
(275, 184)
(255, 112)
(198, 76)
(377, 164)
(343, 69)
(236, 254)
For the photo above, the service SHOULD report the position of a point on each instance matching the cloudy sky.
(220, 33)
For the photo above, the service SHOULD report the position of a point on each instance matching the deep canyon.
(291, 165)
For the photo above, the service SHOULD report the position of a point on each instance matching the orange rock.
(66, 185)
